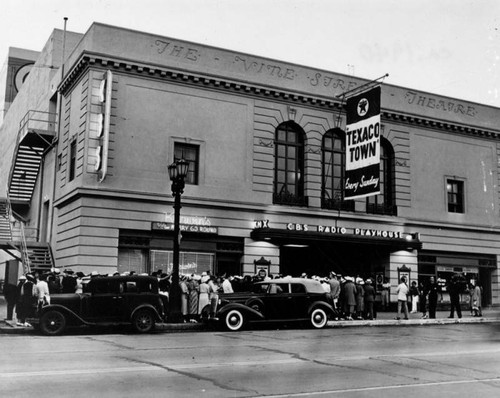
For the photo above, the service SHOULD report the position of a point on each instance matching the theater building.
(91, 132)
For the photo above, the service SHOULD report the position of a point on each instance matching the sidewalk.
(490, 315)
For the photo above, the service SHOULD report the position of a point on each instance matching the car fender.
(254, 300)
(321, 304)
(148, 306)
(243, 308)
(70, 315)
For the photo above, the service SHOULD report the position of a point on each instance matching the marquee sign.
(338, 230)
(362, 176)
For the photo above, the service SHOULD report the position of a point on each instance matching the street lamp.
(177, 172)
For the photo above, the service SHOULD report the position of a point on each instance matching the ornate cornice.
(247, 88)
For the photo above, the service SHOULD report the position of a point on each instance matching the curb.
(412, 322)
(200, 327)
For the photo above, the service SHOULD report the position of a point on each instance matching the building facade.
(265, 141)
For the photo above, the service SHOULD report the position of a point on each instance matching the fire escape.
(36, 134)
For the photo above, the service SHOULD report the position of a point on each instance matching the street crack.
(190, 375)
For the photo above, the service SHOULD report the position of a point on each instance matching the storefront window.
(132, 260)
(189, 263)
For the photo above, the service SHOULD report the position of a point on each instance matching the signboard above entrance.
(297, 233)
(204, 229)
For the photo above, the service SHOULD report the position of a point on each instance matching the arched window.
(332, 192)
(289, 165)
(384, 202)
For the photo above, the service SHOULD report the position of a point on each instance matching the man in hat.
(334, 289)
(68, 282)
(369, 298)
(26, 301)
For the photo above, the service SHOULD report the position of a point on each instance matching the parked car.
(115, 300)
(278, 300)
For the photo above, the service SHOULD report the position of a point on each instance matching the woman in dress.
(194, 291)
(184, 297)
(203, 299)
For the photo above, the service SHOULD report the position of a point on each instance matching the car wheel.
(234, 320)
(52, 323)
(319, 318)
(143, 321)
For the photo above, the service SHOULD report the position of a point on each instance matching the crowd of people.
(424, 297)
(353, 298)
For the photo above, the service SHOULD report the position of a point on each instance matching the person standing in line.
(25, 304)
(213, 285)
(454, 289)
(41, 291)
(369, 298)
(334, 289)
(10, 294)
(184, 297)
(422, 300)
(360, 298)
(432, 293)
(402, 292)
(349, 297)
(385, 294)
(414, 293)
(227, 287)
(204, 298)
(476, 298)
(194, 291)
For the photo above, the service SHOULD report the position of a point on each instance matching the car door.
(106, 301)
(277, 301)
(300, 300)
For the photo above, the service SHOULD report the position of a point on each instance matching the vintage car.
(113, 300)
(278, 300)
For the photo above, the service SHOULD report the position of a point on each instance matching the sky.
(445, 47)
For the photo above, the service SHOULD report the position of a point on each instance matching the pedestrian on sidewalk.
(402, 292)
(10, 294)
(41, 291)
(432, 292)
(26, 301)
(476, 300)
(455, 287)
(349, 289)
(414, 293)
(334, 289)
(422, 300)
(360, 298)
(369, 298)
(385, 294)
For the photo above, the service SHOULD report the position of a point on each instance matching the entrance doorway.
(321, 258)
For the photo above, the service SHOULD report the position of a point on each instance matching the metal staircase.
(36, 134)
(34, 256)
(5, 229)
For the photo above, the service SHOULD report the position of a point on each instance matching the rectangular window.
(455, 194)
(72, 160)
(190, 153)
(189, 263)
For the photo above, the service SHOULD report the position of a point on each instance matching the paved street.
(438, 360)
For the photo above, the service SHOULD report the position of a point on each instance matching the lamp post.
(177, 172)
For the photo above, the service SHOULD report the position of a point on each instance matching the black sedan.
(279, 300)
(105, 301)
